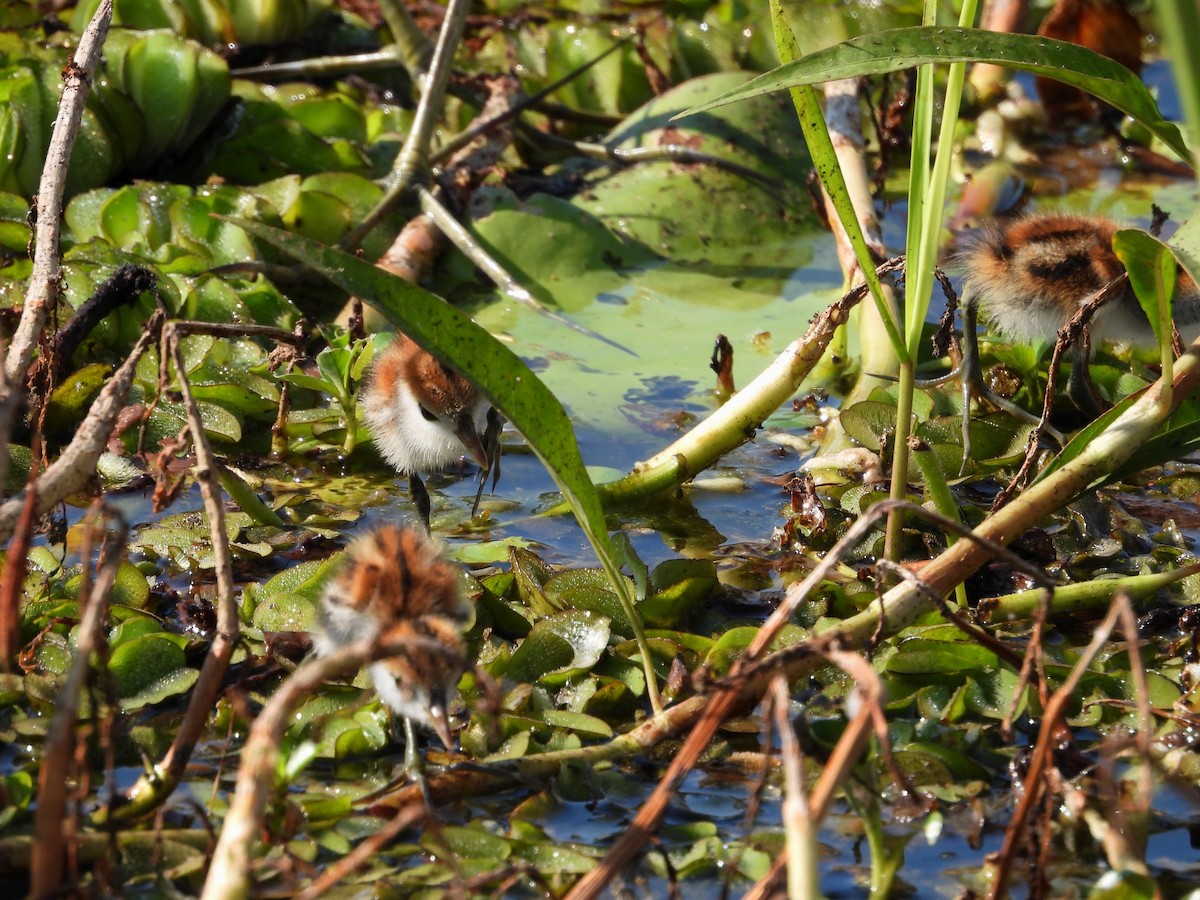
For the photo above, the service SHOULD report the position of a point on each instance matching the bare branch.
(44, 284)
(151, 791)
(77, 463)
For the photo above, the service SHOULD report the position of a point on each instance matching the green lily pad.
(588, 589)
(285, 612)
(129, 589)
(573, 639)
(697, 211)
(149, 669)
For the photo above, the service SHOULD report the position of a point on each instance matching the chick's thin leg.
(420, 499)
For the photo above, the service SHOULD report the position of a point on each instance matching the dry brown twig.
(46, 865)
(150, 791)
(1032, 670)
(16, 558)
(77, 462)
(1052, 719)
(44, 282)
(724, 701)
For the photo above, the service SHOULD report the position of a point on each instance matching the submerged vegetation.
(754, 651)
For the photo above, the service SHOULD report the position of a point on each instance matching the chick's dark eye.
(426, 414)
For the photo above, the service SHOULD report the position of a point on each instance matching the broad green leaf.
(679, 585)
(1151, 269)
(134, 628)
(868, 421)
(487, 551)
(501, 375)
(587, 589)
(69, 402)
(149, 668)
(551, 858)
(308, 381)
(589, 726)
(921, 656)
(568, 640)
(285, 612)
(960, 764)
(467, 843)
(903, 48)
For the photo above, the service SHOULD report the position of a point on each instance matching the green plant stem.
(1179, 22)
(736, 421)
(894, 534)
(884, 863)
(414, 155)
(820, 146)
(1069, 598)
(414, 48)
(938, 490)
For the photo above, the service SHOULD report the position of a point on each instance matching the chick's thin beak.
(464, 430)
(441, 724)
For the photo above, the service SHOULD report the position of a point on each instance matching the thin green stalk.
(824, 157)
(938, 490)
(1179, 22)
(885, 861)
(894, 532)
(927, 203)
(414, 48)
(414, 156)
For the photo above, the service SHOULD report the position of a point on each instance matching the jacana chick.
(423, 415)
(392, 585)
(1033, 274)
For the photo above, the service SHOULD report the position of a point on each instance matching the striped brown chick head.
(394, 587)
(1031, 275)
